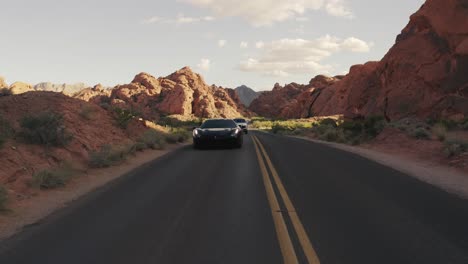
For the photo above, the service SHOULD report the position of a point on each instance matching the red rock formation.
(424, 74)
(291, 101)
(20, 161)
(182, 93)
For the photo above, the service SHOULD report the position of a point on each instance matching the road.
(276, 200)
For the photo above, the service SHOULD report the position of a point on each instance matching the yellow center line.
(304, 240)
(286, 246)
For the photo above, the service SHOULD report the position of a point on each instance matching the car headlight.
(235, 132)
(196, 133)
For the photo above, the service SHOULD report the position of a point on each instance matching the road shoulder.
(30, 211)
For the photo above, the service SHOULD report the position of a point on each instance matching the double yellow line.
(286, 245)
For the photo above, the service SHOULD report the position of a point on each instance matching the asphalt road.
(275, 200)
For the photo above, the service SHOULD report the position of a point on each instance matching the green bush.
(110, 155)
(328, 122)
(51, 179)
(464, 125)
(421, 133)
(3, 198)
(177, 135)
(124, 116)
(440, 131)
(5, 131)
(455, 147)
(374, 125)
(449, 124)
(46, 128)
(151, 139)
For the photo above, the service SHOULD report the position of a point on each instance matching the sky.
(230, 42)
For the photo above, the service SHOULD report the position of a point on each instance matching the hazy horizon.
(257, 45)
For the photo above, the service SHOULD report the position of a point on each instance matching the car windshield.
(221, 123)
(240, 120)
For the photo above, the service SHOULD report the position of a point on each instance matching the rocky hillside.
(246, 94)
(292, 100)
(81, 128)
(183, 93)
(424, 74)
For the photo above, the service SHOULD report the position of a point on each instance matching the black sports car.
(218, 132)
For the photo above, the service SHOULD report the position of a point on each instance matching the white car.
(243, 124)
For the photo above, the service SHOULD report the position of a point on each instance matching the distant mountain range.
(68, 89)
(246, 94)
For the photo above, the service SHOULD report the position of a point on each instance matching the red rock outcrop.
(182, 93)
(20, 161)
(424, 74)
(291, 101)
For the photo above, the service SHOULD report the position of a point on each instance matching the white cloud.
(302, 19)
(204, 64)
(296, 56)
(222, 43)
(267, 12)
(180, 19)
(356, 45)
(259, 44)
(338, 8)
(244, 44)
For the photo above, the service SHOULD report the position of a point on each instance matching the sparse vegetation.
(177, 135)
(455, 147)
(110, 155)
(440, 132)
(51, 179)
(5, 131)
(124, 116)
(3, 198)
(46, 128)
(151, 139)
(421, 133)
(87, 112)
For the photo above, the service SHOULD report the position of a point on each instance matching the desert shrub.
(45, 128)
(51, 179)
(421, 133)
(261, 124)
(328, 122)
(6, 131)
(140, 146)
(124, 116)
(455, 147)
(464, 125)
(449, 124)
(440, 131)
(3, 198)
(374, 125)
(176, 135)
(110, 155)
(5, 92)
(152, 139)
(87, 112)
